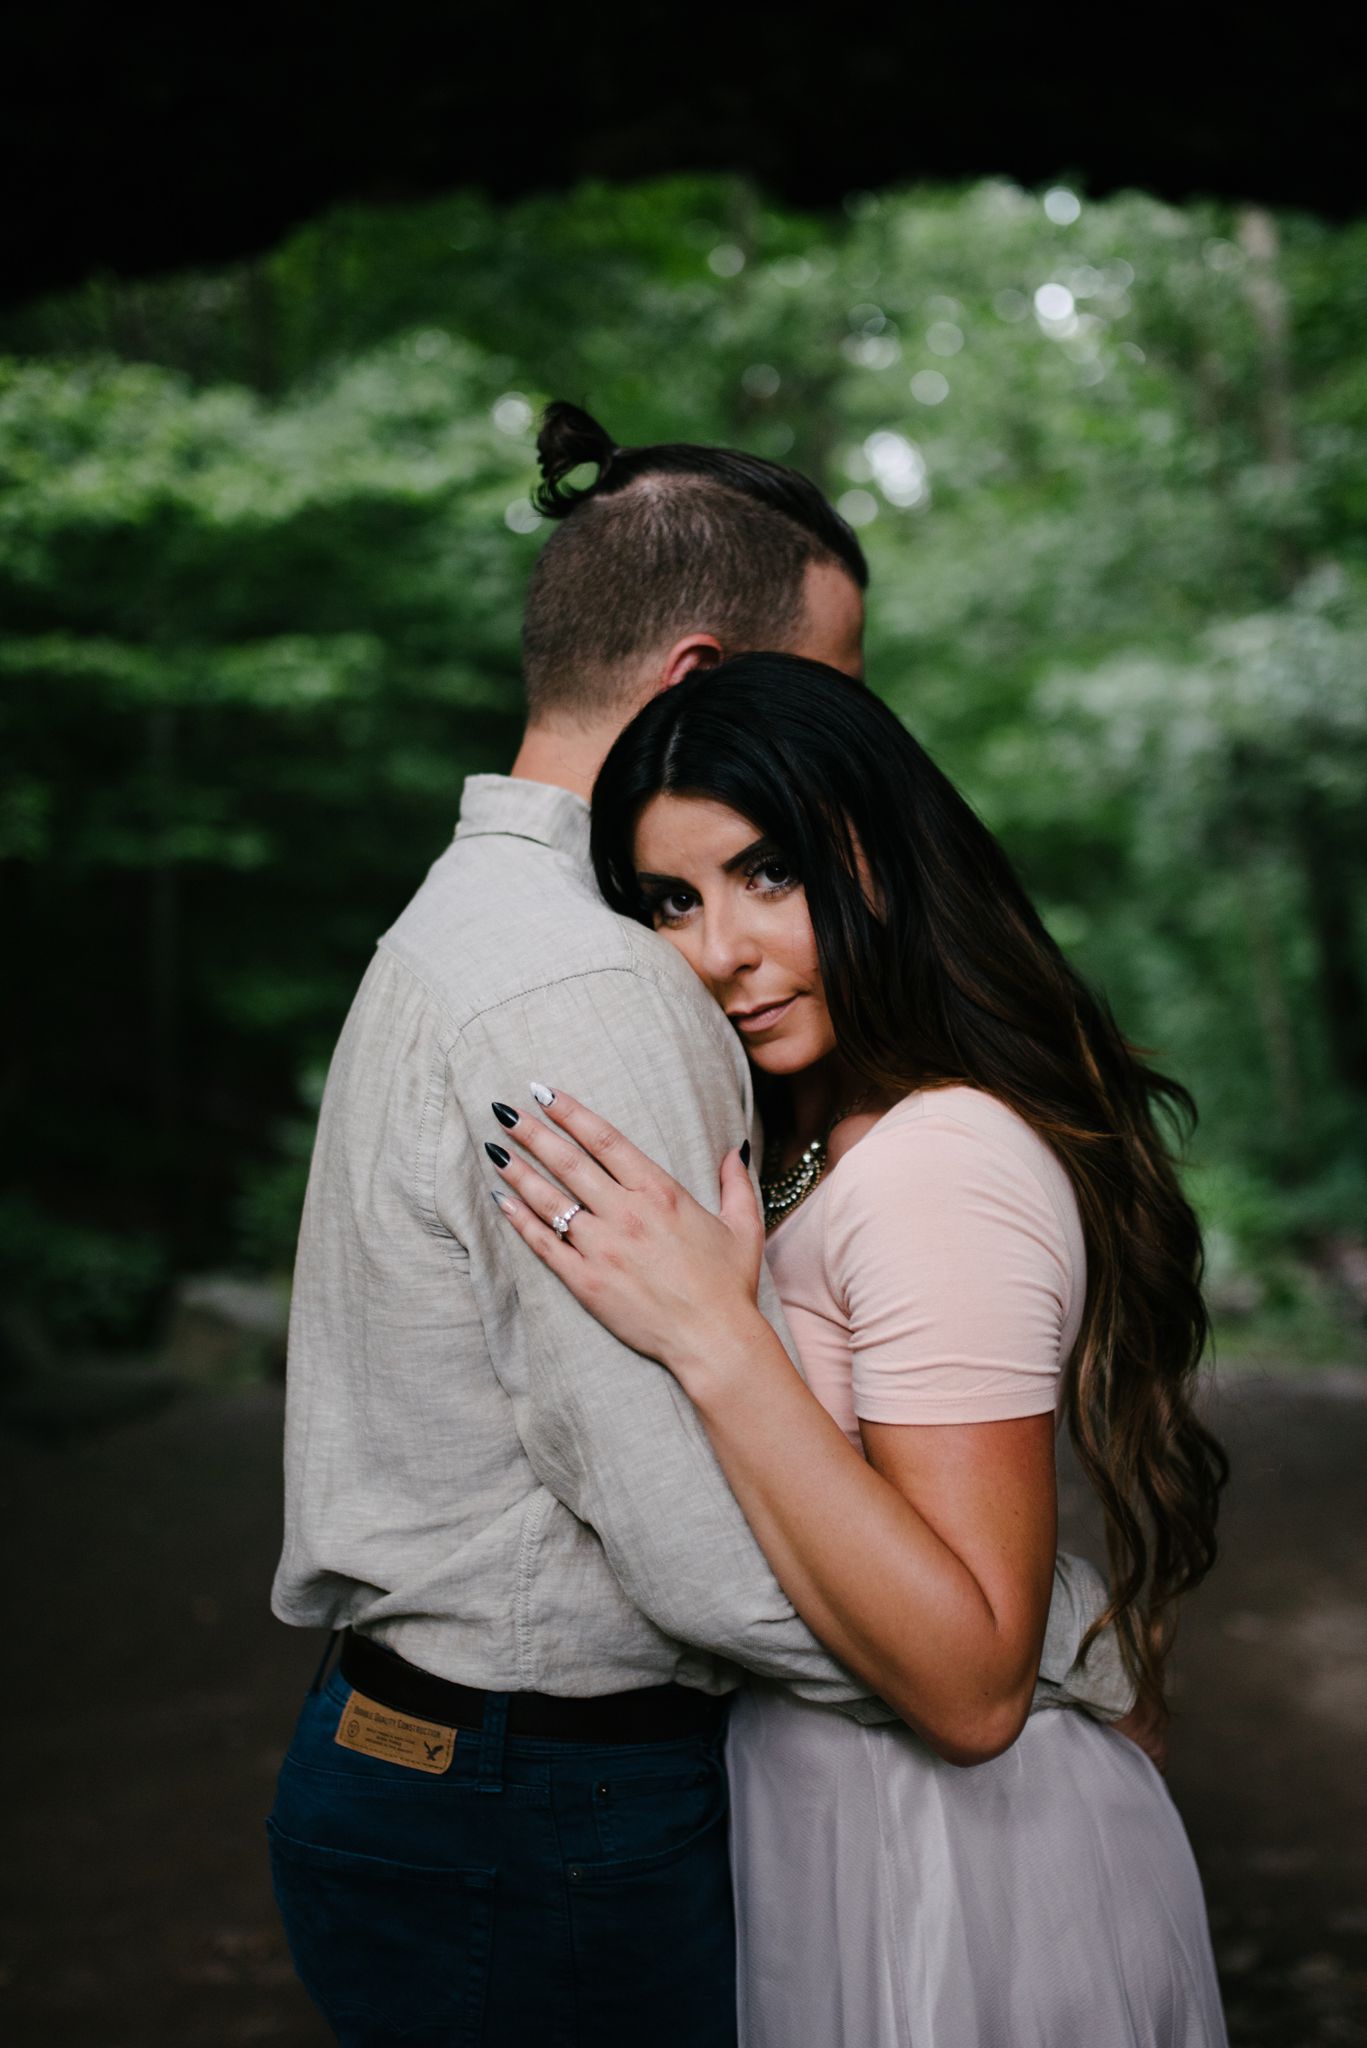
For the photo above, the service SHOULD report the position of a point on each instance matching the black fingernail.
(507, 1117)
(745, 1153)
(497, 1154)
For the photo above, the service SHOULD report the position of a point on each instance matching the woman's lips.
(761, 1020)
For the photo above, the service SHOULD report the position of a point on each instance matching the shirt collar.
(511, 806)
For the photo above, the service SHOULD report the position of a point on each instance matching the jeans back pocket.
(386, 1949)
(648, 1813)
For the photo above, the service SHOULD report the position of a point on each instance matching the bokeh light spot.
(726, 260)
(871, 351)
(943, 338)
(1062, 206)
(859, 507)
(522, 516)
(930, 387)
(1054, 302)
(898, 467)
(761, 380)
(512, 414)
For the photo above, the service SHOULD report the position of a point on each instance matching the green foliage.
(90, 1284)
(263, 536)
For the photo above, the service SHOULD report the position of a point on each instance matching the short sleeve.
(948, 1256)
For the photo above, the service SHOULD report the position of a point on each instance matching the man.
(502, 1818)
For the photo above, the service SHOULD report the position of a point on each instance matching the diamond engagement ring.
(561, 1224)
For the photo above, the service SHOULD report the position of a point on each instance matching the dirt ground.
(150, 1695)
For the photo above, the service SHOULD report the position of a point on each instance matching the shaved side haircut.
(666, 540)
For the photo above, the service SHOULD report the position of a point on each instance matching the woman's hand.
(656, 1268)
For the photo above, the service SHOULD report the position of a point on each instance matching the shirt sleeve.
(611, 1434)
(948, 1257)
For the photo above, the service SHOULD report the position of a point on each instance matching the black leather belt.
(658, 1713)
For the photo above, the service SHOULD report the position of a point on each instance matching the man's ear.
(695, 650)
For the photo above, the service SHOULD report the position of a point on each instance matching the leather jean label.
(396, 1738)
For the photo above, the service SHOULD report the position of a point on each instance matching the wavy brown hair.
(938, 969)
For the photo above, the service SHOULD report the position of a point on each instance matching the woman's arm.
(928, 1568)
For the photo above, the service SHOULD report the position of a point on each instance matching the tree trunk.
(1266, 295)
(164, 934)
(1329, 870)
(1273, 1008)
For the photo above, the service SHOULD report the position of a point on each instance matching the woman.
(973, 1223)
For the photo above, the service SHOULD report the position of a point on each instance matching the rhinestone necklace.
(786, 1190)
(782, 1192)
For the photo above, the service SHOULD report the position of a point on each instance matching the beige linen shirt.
(477, 1474)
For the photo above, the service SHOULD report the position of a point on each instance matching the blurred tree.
(262, 541)
(252, 650)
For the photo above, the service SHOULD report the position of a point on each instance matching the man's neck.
(565, 760)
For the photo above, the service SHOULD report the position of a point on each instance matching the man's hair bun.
(569, 438)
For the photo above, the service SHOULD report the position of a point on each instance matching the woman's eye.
(673, 908)
(775, 873)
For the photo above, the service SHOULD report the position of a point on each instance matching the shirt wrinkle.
(638, 969)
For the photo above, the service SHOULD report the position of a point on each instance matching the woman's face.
(725, 896)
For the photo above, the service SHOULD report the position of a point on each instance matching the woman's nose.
(729, 947)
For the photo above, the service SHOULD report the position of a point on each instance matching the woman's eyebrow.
(728, 867)
(646, 880)
(738, 860)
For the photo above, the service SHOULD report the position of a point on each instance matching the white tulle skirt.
(885, 1899)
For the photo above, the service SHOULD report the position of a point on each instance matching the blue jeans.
(539, 1894)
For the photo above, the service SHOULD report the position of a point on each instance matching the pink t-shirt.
(938, 1272)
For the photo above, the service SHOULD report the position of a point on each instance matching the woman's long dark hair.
(940, 971)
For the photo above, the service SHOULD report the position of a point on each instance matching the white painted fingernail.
(541, 1093)
(496, 1197)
